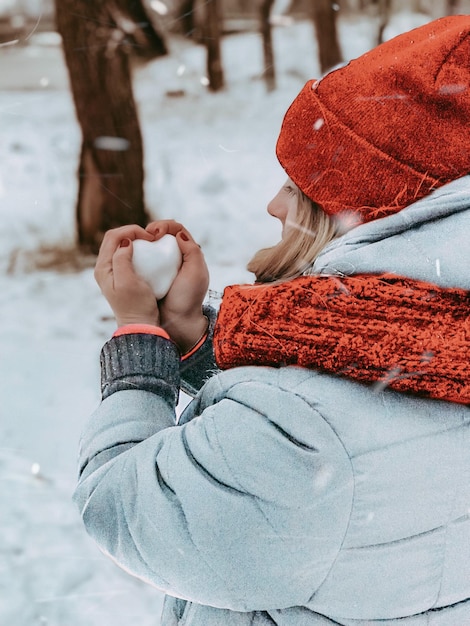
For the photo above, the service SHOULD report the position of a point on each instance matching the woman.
(323, 478)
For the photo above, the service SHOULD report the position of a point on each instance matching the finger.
(187, 245)
(194, 268)
(113, 237)
(164, 227)
(111, 242)
(123, 269)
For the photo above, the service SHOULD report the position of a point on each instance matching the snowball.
(157, 262)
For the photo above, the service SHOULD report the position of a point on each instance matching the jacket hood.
(428, 241)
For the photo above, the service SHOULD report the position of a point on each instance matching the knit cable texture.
(395, 332)
(140, 361)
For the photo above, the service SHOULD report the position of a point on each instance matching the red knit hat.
(385, 130)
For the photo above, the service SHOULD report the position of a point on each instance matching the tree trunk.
(98, 40)
(140, 34)
(451, 7)
(385, 7)
(324, 20)
(212, 36)
(185, 18)
(266, 32)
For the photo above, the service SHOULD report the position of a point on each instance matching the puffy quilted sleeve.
(243, 507)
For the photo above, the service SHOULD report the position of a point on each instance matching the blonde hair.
(299, 247)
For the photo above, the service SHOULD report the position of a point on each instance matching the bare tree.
(324, 20)
(212, 36)
(99, 39)
(269, 68)
(384, 7)
(451, 7)
(185, 18)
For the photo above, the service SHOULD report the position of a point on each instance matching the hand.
(129, 296)
(181, 309)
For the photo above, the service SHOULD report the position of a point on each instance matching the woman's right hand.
(181, 309)
(129, 296)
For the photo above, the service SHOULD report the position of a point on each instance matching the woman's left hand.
(129, 296)
(181, 309)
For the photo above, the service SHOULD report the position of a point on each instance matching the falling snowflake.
(319, 123)
(159, 7)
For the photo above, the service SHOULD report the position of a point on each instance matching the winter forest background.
(208, 160)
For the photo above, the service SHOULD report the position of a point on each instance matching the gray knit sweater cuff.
(141, 361)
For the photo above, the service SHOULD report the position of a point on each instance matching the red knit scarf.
(397, 332)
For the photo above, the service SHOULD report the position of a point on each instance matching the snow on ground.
(210, 164)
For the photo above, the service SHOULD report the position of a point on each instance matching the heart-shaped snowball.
(157, 262)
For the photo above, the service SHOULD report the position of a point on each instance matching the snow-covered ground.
(210, 164)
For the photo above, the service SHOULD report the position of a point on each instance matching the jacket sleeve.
(200, 366)
(243, 507)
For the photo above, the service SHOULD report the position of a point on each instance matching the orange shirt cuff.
(145, 329)
(195, 348)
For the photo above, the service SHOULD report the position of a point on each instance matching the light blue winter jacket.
(286, 496)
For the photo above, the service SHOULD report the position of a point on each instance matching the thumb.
(187, 244)
(123, 268)
(194, 268)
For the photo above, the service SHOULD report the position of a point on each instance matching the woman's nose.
(270, 209)
(274, 209)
